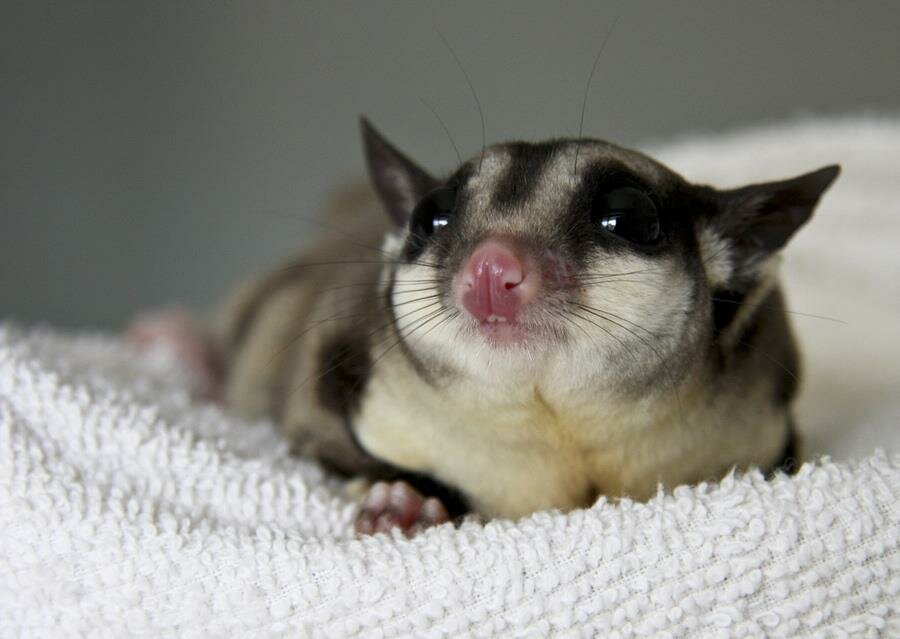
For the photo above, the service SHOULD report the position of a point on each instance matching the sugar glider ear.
(400, 182)
(753, 222)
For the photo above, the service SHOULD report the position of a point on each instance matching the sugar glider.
(551, 322)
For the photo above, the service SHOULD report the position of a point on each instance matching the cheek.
(416, 296)
(643, 300)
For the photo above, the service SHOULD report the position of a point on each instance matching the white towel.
(127, 510)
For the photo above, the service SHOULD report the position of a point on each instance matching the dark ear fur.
(756, 221)
(398, 180)
(761, 218)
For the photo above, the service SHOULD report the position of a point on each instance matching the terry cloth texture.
(129, 510)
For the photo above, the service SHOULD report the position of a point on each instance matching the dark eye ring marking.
(432, 213)
(628, 213)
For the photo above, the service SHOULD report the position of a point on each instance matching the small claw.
(433, 512)
(404, 504)
(398, 505)
(374, 503)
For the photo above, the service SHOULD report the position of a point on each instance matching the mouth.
(500, 331)
(507, 289)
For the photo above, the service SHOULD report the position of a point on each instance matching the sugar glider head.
(525, 261)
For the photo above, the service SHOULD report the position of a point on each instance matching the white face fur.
(610, 308)
(620, 319)
(564, 322)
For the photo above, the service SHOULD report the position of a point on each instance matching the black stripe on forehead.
(607, 174)
(526, 165)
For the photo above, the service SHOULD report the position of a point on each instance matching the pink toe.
(433, 512)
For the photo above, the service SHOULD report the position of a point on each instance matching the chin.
(517, 336)
(503, 333)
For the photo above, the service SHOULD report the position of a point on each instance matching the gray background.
(155, 152)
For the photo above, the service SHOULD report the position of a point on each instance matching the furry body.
(637, 364)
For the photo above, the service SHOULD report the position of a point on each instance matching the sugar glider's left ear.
(400, 182)
(753, 222)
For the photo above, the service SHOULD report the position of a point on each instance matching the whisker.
(296, 338)
(724, 246)
(371, 286)
(406, 291)
(615, 337)
(765, 354)
(421, 322)
(390, 257)
(591, 276)
(371, 334)
(447, 318)
(291, 267)
(600, 283)
(618, 317)
(602, 328)
(566, 317)
(474, 95)
(354, 300)
(417, 299)
(396, 343)
(668, 372)
(443, 126)
(587, 90)
(776, 308)
(771, 358)
(299, 217)
(316, 323)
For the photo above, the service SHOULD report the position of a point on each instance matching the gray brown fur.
(367, 381)
(279, 333)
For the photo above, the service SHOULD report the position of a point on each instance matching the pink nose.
(496, 283)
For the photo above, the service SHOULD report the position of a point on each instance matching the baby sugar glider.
(552, 322)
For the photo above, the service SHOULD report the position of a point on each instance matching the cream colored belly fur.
(535, 449)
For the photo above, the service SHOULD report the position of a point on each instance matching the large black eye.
(432, 213)
(629, 213)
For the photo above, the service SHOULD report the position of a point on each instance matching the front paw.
(398, 505)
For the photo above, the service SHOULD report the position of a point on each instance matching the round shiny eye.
(629, 213)
(432, 213)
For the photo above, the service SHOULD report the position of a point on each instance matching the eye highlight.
(432, 213)
(628, 213)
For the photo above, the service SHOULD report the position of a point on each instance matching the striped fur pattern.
(652, 364)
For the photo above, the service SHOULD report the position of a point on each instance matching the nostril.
(511, 275)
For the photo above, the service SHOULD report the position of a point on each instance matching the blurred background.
(156, 152)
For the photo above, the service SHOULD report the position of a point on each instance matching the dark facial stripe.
(526, 165)
(346, 367)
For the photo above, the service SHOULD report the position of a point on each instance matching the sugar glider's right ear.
(400, 182)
